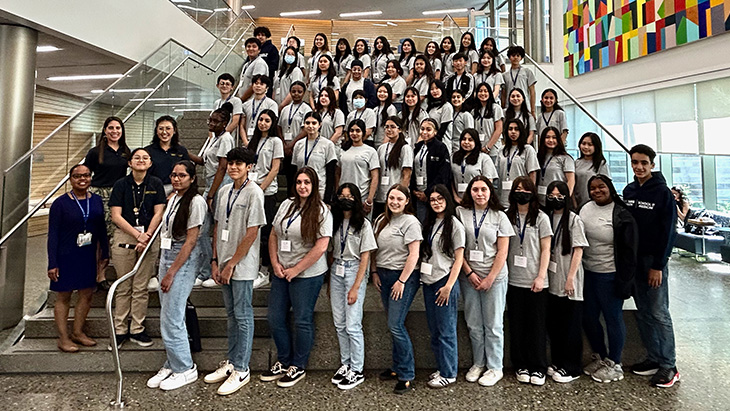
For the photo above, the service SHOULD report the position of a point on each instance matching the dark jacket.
(270, 54)
(370, 96)
(652, 205)
(466, 85)
(438, 167)
(625, 245)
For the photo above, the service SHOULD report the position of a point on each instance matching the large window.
(722, 168)
(687, 173)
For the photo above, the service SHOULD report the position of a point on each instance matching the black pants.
(526, 311)
(270, 211)
(564, 318)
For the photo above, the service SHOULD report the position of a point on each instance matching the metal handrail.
(118, 403)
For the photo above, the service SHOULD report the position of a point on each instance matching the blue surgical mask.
(289, 59)
(358, 103)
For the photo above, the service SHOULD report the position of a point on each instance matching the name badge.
(461, 187)
(426, 268)
(483, 138)
(507, 185)
(224, 235)
(83, 239)
(384, 180)
(520, 261)
(340, 270)
(166, 243)
(139, 228)
(476, 255)
(253, 176)
(288, 136)
(542, 190)
(250, 131)
(553, 267)
(420, 180)
(285, 245)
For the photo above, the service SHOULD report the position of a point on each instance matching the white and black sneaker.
(293, 376)
(234, 382)
(277, 371)
(440, 382)
(351, 380)
(141, 339)
(340, 374)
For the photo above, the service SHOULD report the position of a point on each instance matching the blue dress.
(76, 265)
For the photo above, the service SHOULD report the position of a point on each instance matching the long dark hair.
(473, 156)
(257, 134)
(446, 243)
(357, 218)
(339, 55)
(524, 111)
(180, 223)
(521, 140)
(175, 140)
(598, 157)
(312, 209)
(365, 50)
(359, 123)
(433, 102)
(331, 72)
(453, 46)
(413, 52)
(542, 149)
(611, 189)
(467, 201)
(384, 219)
(396, 65)
(325, 47)
(482, 47)
(489, 104)
(386, 47)
(102, 143)
(436, 54)
(394, 157)
(534, 210)
(564, 223)
(285, 68)
(493, 69)
(427, 69)
(332, 106)
(406, 110)
(472, 46)
(556, 106)
(387, 103)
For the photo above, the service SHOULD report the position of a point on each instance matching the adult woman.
(394, 77)
(565, 293)
(469, 49)
(433, 54)
(590, 162)
(325, 77)
(317, 152)
(165, 150)
(360, 165)
(551, 114)
(516, 158)
(407, 59)
(527, 261)
(422, 77)
(352, 242)
(360, 112)
(361, 51)
(447, 57)
(682, 205)
(396, 162)
(343, 59)
(610, 265)
(462, 119)
(468, 162)
(380, 58)
(383, 111)
(412, 115)
(288, 74)
(319, 48)
(430, 165)
(484, 283)
(555, 163)
(298, 243)
(441, 259)
(179, 261)
(108, 162)
(488, 119)
(393, 268)
(489, 73)
(517, 108)
(78, 249)
(489, 44)
(440, 109)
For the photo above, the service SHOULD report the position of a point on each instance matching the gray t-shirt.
(521, 78)
(268, 149)
(554, 169)
(378, 65)
(443, 114)
(352, 87)
(235, 102)
(216, 148)
(562, 262)
(356, 165)
(250, 69)
(398, 85)
(317, 154)
(412, 129)
(330, 121)
(531, 125)
(252, 108)
(521, 165)
(319, 82)
(486, 125)
(282, 84)
(598, 220)
(529, 248)
(394, 239)
(496, 79)
(463, 172)
(343, 66)
(379, 132)
(460, 122)
(367, 115)
(198, 211)
(355, 242)
(421, 84)
(313, 62)
(495, 225)
(292, 118)
(390, 176)
(442, 263)
(436, 65)
(555, 118)
(583, 172)
(448, 68)
(247, 210)
(298, 248)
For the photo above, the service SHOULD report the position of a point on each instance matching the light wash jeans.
(484, 314)
(237, 297)
(205, 241)
(442, 325)
(172, 308)
(652, 316)
(348, 318)
(404, 363)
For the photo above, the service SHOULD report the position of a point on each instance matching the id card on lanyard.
(521, 260)
(166, 240)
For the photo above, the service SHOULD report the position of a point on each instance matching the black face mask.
(522, 198)
(346, 204)
(555, 203)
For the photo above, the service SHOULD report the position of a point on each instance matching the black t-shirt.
(163, 161)
(112, 169)
(130, 196)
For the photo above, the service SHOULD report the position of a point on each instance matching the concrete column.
(17, 90)
(534, 13)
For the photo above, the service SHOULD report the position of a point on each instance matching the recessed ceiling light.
(45, 49)
(428, 31)
(380, 24)
(299, 13)
(447, 11)
(390, 23)
(124, 90)
(248, 7)
(86, 77)
(361, 13)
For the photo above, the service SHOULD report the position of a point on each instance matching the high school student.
(516, 158)
(468, 162)
(396, 162)
(488, 120)
(555, 163)
(318, 153)
(590, 162)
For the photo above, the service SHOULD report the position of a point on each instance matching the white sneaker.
(523, 376)
(234, 382)
(440, 382)
(180, 379)
(198, 282)
(153, 284)
(490, 377)
(225, 369)
(154, 382)
(434, 374)
(537, 378)
(551, 370)
(209, 283)
(474, 373)
(262, 280)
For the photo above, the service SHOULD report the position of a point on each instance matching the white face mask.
(358, 103)
(289, 59)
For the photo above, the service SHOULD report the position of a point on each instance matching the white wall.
(128, 28)
(702, 60)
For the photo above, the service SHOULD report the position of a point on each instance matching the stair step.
(200, 297)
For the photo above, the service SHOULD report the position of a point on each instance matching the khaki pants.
(132, 295)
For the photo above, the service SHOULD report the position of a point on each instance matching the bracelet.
(210, 198)
(214, 260)
(401, 281)
(373, 272)
(470, 273)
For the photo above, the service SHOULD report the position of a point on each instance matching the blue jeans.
(300, 295)
(205, 241)
(237, 297)
(442, 325)
(348, 318)
(172, 308)
(484, 314)
(652, 316)
(600, 297)
(404, 363)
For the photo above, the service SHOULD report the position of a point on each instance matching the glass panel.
(722, 168)
(680, 137)
(687, 173)
(715, 134)
(619, 166)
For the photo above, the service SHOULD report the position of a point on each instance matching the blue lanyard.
(547, 122)
(463, 169)
(290, 221)
(556, 233)
(172, 210)
(229, 205)
(514, 79)
(433, 234)
(478, 228)
(84, 214)
(387, 150)
(521, 231)
(362, 112)
(510, 159)
(544, 168)
(224, 102)
(306, 149)
(422, 155)
(293, 112)
(322, 78)
(255, 110)
(260, 147)
(343, 237)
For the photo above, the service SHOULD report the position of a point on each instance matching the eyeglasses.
(437, 200)
(137, 158)
(180, 176)
(79, 176)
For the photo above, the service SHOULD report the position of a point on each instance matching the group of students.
(396, 201)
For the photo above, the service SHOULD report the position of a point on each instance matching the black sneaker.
(645, 367)
(340, 374)
(277, 371)
(388, 375)
(293, 376)
(120, 339)
(403, 387)
(665, 377)
(352, 380)
(141, 339)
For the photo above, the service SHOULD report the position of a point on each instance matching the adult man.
(357, 82)
(652, 205)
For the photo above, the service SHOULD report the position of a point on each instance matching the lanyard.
(315, 59)
(433, 234)
(322, 78)
(478, 228)
(544, 168)
(343, 237)
(211, 142)
(292, 113)
(378, 112)
(362, 112)
(255, 109)
(172, 211)
(547, 122)
(137, 208)
(289, 222)
(510, 159)
(306, 149)
(456, 116)
(261, 147)
(84, 214)
(224, 102)
(514, 78)
(457, 81)
(556, 233)
(521, 231)
(463, 169)
(423, 152)
(229, 206)
(387, 150)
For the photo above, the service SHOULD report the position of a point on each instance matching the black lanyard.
(172, 211)
(514, 78)
(521, 231)
(387, 151)
(343, 237)
(229, 205)
(547, 122)
(544, 168)
(260, 147)
(84, 214)
(510, 159)
(306, 149)
(137, 208)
